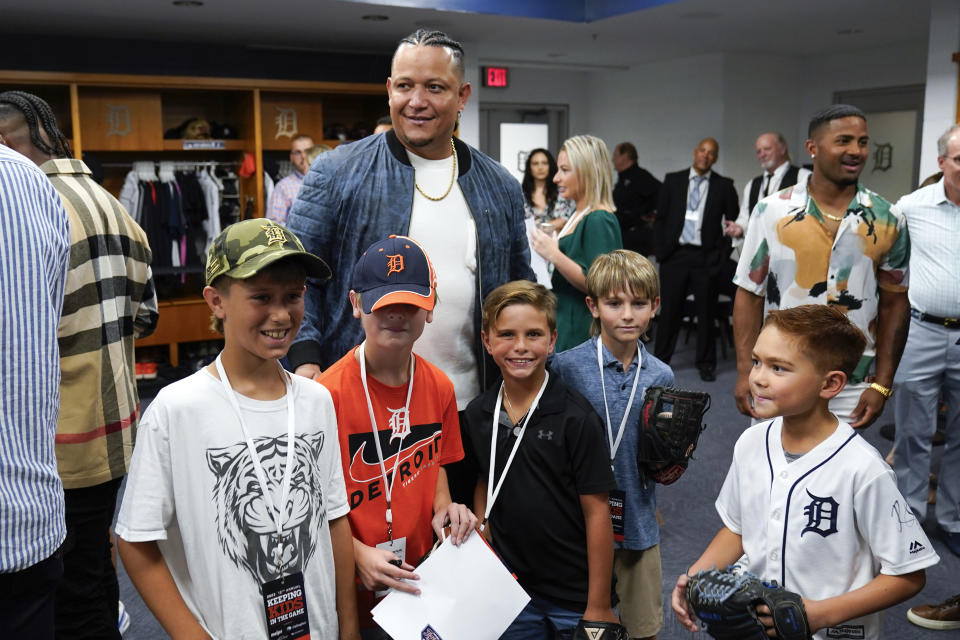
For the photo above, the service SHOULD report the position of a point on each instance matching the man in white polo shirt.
(931, 360)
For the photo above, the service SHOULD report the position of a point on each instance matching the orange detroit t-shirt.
(433, 440)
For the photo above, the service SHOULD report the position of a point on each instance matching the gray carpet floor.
(690, 520)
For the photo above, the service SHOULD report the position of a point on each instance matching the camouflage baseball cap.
(244, 248)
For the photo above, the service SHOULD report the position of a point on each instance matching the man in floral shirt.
(830, 242)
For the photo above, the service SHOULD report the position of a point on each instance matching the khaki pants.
(640, 589)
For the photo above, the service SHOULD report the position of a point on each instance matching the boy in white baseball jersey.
(807, 502)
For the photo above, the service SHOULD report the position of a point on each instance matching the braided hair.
(426, 38)
(37, 113)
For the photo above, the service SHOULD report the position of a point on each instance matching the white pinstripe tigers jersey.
(825, 524)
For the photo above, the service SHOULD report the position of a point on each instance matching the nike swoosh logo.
(363, 471)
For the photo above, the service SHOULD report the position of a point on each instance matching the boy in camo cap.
(233, 521)
(245, 248)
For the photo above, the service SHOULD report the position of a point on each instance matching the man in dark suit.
(635, 196)
(691, 248)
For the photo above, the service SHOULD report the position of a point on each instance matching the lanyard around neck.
(279, 514)
(615, 443)
(494, 491)
(388, 485)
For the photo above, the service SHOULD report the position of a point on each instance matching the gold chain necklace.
(824, 213)
(511, 410)
(453, 177)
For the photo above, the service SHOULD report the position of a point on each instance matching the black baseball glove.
(670, 425)
(589, 630)
(726, 602)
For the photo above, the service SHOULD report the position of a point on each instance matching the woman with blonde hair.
(585, 176)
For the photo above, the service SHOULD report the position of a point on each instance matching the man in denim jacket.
(417, 180)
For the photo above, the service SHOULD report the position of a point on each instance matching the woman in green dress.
(585, 176)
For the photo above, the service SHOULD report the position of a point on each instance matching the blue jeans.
(542, 620)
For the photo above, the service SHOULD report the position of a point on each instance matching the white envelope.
(465, 594)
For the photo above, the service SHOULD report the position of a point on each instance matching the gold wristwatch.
(886, 392)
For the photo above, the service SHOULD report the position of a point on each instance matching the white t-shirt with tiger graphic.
(192, 488)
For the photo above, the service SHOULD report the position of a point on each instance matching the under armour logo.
(821, 516)
(399, 425)
(274, 234)
(544, 435)
(394, 263)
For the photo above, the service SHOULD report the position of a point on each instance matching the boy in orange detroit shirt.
(397, 423)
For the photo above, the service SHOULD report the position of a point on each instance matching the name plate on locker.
(204, 144)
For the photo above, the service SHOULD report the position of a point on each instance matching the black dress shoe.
(708, 374)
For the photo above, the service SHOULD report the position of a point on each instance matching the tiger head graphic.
(246, 524)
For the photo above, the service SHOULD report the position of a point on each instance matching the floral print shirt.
(790, 258)
(562, 208)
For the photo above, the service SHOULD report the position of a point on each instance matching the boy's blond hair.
(519, 292)
(621, 270)
(825, 335)
(591, 161)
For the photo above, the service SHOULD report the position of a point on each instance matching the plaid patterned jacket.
(109, 301)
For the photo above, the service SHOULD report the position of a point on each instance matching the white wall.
(761, 94)
(825, 74)
(940, 101)
(664, 108)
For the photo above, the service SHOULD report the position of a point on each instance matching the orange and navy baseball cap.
(395, 271)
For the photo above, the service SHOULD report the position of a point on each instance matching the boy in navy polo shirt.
(544, 494)
(612, 370)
